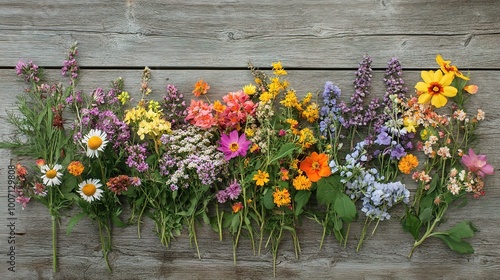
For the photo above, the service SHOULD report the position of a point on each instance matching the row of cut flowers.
(254, 163)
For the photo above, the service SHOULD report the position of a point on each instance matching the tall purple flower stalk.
(330, 115)
(174, 107)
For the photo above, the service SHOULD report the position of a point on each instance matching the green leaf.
(235, 223)
(426, 215)
(73, 221)
(285, 150)
(464, 229)
(434, 182)
(118, 222)
(461, 246)
(411, 224)
(325, 193)
(268, 199)
(345, 207)
(301, 199)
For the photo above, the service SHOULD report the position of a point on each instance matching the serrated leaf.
(464, 229)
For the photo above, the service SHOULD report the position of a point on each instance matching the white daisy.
(95, 141)
(51, 175)
(90, 190)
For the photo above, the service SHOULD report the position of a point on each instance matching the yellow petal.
(424, 98)
(438, 100)
(446, 79)
(449, 91)
(439, 59)
(427, 76)
(472, 89)
(437, 76)
(422, 87)
(461, 76)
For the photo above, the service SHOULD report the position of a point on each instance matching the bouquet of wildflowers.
(40, 133)
(452, 169)
(263, 137)
(366, 143)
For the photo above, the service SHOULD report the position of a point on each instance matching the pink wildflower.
(200, 114)
(233, 145)
(477, 164)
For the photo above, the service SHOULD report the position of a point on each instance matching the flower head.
(446, 67)
(90, 190)
(435, 88)
(51, 175)
(281, 197)
(301, 182)
(201, 87)
(477, 164)
(316, 166)
(407, 163)
(95, 141)
(233, 145)
(237, 207)
(76, 168)
(261, 178)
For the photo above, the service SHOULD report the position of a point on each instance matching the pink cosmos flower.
(233, 145)
(477, 164)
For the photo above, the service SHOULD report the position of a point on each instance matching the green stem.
(325, 223)
(429, 230)
(54, 248)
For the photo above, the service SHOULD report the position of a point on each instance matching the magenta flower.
(477, 164)
(233, 145)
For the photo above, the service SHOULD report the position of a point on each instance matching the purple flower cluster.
(396, 142)
(174, 107)
(70, 65)
(100, 98)
(75, 98)
(358, 115)
(393, 81)
(330, 115)
(137, 157)
(116, 130)
(232, 192)
(28, 70)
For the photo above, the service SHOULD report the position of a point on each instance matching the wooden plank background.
(317, 41)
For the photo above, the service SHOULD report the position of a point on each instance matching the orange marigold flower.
(281, 197)
(407, 163)
(76, 168)
(201, 87)
(316, 166)
(237, 207)
(301, 183)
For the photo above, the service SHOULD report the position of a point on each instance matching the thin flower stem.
(54, 247)
(325, 223)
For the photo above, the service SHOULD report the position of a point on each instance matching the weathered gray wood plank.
(383, 255)
(323, 34)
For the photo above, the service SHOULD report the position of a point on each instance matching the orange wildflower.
(201, 87)
(316, 166)
(76, 168)
(237, 207)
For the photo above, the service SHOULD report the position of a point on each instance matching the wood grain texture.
(183, 41)
(325, 34)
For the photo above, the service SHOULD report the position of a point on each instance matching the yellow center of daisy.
(51, 174)
(233, 147)
(89, 189)
(94, 142)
